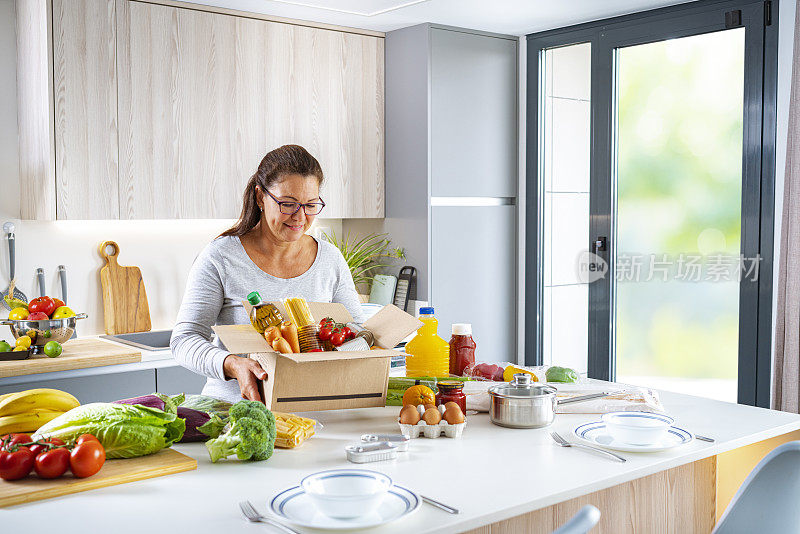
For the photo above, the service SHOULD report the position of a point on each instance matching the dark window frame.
(758, 173)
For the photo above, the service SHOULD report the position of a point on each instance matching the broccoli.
(248, 439)
(251, 436)
(254, 410)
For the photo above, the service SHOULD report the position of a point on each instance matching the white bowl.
(637, 428)
(346, 493)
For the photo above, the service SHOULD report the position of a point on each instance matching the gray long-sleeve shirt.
(220, 278)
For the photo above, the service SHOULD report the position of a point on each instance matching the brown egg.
(432, 416)
(429, 406)
(409, 415)
(453, 414)
(451, 403)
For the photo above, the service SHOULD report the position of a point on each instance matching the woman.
(267, 251)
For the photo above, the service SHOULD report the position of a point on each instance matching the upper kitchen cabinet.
(148, 110)
(473, 90)
(203, 96)
(67, 109)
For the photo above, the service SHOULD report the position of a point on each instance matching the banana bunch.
(26, 411)
(292, 430)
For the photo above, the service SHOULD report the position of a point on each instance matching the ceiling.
(516, 17)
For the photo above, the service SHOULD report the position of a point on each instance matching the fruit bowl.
(60, 330)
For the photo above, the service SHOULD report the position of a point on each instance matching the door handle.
(599, 244)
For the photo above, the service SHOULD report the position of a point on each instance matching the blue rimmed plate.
(294, 506)
(596, 433)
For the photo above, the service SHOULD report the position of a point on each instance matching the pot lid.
(521, 387)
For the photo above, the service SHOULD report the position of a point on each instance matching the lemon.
(18, 314)
(19, 349)
(24, 342)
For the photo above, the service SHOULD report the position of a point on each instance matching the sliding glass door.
(650, 172)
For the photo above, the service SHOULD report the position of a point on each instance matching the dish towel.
(624, 397)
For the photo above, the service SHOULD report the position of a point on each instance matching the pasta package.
(297, 308)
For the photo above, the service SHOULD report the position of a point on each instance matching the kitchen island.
(517, 478)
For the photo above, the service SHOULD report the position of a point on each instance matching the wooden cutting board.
(31, 488)
(78, 354)
(125, 306)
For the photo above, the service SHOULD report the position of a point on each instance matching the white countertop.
(491, 474)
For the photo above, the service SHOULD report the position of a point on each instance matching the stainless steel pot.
(520, 404)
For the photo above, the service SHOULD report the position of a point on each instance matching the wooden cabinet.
(85, 90)
(165, 111)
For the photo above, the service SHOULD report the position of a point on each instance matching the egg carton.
(433, 431)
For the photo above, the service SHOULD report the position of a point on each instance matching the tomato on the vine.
(324, 333)
(337, 339)
(38, 448)
(52, 463)
(87, 458)
(17, 464)
(9, 440)
(86, 437)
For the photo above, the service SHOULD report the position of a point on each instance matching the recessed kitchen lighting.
(355, 7)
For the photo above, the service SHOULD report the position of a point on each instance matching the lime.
(4, 346)
(52, 349)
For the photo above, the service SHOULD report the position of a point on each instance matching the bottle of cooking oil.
(263, 315)
(427, 354)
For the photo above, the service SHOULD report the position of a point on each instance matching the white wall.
(164, 250)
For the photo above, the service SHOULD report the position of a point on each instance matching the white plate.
(596, 433)
(294, 505)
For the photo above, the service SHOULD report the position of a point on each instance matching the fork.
(253, 516)
(564, 443)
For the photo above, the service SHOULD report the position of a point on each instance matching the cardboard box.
(324, 380)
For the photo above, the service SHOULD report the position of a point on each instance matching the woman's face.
(292, 188)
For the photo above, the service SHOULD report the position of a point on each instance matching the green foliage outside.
(679, 175)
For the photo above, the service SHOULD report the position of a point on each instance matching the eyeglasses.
(290, 208)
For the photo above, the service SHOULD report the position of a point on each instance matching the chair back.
(769, 499)
(582, 522)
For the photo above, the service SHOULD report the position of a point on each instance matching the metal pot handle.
(583, 398)
(7, 322)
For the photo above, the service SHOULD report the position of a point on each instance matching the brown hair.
(288, 159)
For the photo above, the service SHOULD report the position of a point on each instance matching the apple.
(38, 316)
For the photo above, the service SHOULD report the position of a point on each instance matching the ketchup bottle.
(462, 348)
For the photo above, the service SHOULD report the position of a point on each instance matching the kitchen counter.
(491, 474)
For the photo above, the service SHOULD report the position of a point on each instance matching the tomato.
(53, 463)
(46, 305)
(9, 440)
(337, 339)
(324, 333)
(84, 438)
(17, 464)
(58, 302)
(87, 458)
(42, 446)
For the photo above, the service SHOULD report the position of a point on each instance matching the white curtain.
(786, 383)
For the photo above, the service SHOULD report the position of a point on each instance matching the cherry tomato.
(87, 458)
(9, 440)
(53, 463)
(46, 305)
(324, 333)
(337, 339)
(17, 464)
(39, 448)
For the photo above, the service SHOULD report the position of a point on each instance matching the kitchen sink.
(152, 340)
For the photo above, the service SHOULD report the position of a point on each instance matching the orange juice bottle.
(427, 354)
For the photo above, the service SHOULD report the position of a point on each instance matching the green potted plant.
(365, 255)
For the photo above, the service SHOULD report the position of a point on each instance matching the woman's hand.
(247, 372)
